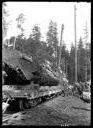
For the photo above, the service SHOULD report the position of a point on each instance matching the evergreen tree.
(52, 39)
(20, 43)
(81, 61)
(72, 64)
(52, 42)
(88, 60)
(67, 64)
(20, 20)
(36, 34)
(63, 57)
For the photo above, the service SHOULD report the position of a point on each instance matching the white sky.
(60, 12)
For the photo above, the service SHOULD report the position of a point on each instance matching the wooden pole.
(75, 44)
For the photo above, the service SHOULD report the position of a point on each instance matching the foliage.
(5, 23)
(42, 51)
(83, 57)
(81, 61)
(52, 41)
(36, 34)
(72, 64)
(20, 20)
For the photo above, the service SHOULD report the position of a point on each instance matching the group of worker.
(77, 87)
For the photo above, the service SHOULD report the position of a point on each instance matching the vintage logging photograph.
(46, 63)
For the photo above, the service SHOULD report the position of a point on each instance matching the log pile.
(21, 70)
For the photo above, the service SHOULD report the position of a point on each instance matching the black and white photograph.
(46, 63)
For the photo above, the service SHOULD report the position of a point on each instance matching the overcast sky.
(60, 12)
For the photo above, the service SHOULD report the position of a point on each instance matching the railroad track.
(8, 116)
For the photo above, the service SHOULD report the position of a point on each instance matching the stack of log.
(22, 70)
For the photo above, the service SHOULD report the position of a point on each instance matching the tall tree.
(20, 20)
(72, 64)
(52, 39)
(81, 61)
(88, 60)
(36, 34)
(52, 42)
(67, 65)
(65, 58)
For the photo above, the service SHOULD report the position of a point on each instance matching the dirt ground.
(59, 111)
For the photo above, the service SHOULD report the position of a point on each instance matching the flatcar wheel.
(21, 107)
